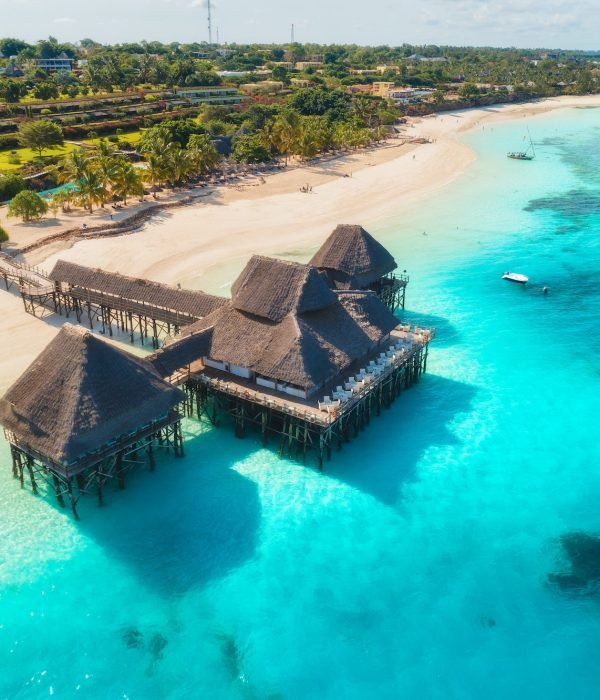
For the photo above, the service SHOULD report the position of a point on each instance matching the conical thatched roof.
(81, 393)
(272, 289)
(352, 258)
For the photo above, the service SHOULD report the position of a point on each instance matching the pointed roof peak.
(272, 289)
(80, 393)
(353, 252)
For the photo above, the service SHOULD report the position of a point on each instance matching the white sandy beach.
(209, 242)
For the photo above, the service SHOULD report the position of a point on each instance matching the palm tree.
(126, 180)
(203, 153)
(315, 136)
(72, 167)
(161, 157)
(63, 199)
(285, 132)
(91, 189)
(106, 163)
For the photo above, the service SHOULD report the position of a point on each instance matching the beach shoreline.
(204, 245)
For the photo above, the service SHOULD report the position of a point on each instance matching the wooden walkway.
(20, 274)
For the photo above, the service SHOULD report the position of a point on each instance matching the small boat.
(515, 277)
(529, 154)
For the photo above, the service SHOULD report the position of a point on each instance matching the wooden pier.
(298, 425)
(107, 465)
(268, 359)
(113, 302)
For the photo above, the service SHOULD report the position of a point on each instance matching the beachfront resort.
(304, 353)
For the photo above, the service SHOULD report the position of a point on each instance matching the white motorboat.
(515, 277)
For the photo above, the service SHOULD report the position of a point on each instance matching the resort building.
(216, 96)
(84, 412)
(265, 86)
(381, 89)
(408, 95)
(303, 353)
(52, 65)
(303, 65)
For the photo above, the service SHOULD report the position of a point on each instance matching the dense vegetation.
(308, 99)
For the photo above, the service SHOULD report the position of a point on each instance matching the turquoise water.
(415, 566)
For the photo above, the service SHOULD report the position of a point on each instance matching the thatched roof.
(306, 349)
(272, 289)
(185, 301)
(352, 258)
(179, 355)
(80, 393)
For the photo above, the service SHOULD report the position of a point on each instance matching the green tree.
(204, 154)
(28, 205)
(47, 90)
(12, 91)
(11, 47)
(90, 188)
(173, 130)
(73, 167)
(250, 149)
(284, 132)
(319, 101)
(315, 135)
(3, 236)
(126, 180)
(40, 135)
(10, 185)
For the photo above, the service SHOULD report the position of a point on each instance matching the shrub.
(9, 141)
(10, 185)
(28, 205)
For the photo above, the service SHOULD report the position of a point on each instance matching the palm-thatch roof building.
(285, 329)
(85, 410)
(352, 259)
(288, 339)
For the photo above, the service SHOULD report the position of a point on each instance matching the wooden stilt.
(31, 474)
(58, 491)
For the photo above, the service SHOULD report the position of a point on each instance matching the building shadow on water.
(191, 521)
(384, 457)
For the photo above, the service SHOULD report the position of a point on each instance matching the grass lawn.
(26, 155)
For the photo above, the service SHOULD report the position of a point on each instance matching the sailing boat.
(529, 154)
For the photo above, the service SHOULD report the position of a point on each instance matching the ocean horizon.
(417, 564)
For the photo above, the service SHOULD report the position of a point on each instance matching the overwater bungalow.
(295, 357)
(86, 411)
(306, 353)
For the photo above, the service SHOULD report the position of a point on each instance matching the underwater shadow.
(191, 521)
(384, 456)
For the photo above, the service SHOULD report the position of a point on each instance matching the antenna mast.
(209, 22)
(292, 33)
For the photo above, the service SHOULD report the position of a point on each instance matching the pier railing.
(419, 338)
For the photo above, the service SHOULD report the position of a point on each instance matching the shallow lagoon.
(416, 565)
